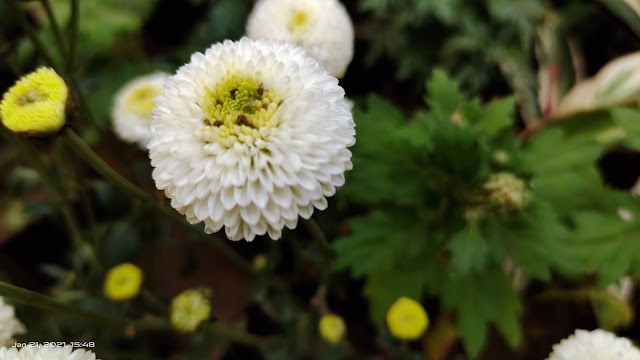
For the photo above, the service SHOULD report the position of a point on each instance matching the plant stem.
(54, 187)
(84, 151)
(13, 4)
(316, 233)
(45, 302)
(238, 336)
(54, 25)
(73, 37)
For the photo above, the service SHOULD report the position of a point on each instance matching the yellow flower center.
(238, 109)
(32, 96)
(140, 99)
(298, 21)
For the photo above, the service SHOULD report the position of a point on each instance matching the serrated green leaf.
(497, 116)
(444, 97)
(469, 250)
(481, 299)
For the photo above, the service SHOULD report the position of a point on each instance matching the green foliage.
(441, 219)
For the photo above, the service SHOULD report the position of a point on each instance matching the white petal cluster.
(594, 345)
(45, 353)
(132, 106)
(323, 27)
(249, 136)
(9, 325)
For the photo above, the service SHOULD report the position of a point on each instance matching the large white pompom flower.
(323, 27)
(132, 107)
(594, 345)
(45, 353)
(249, 136)
(10, 326)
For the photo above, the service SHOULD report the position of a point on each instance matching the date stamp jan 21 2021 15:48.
(75, 344)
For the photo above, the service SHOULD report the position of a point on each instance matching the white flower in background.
(249, 136)
(132, 108)
(9, 325)
(45, 353)
(594, 345)
(323, 27)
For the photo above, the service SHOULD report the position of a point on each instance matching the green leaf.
(629, 120)
(444, 97)
(469, 250)
(497, 116)
(480, 299)
(608, 244)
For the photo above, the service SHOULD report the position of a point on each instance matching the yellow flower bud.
(260, 262)
(332, 328)
(189, 309)
(507, 192)
(35, 104)
(407, 319)
(123, 282)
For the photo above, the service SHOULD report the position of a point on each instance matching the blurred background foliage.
(502, 201)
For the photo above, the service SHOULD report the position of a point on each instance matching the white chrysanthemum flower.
(45, 353)
(10, 326)
(132, 107)
(323, 27)
(249, 136)
(594, 345)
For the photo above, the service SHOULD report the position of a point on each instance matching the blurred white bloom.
(249, 136)
(594, 345)
(9, 325)
(45, 353)
(323, 27)
(132, 108)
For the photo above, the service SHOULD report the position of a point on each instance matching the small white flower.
(45, 353)
(9, 324)
(132, 108)
(323, 27)
(594, 345)
(249, 136)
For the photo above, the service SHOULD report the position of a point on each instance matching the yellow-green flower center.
(238, 109)
(32, 96)
(298, 21)
(140, 101)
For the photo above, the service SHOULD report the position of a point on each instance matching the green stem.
(54, 25)
(316, 233)
(238, 336)
(84, 151)
(15, 7)
(45, 302)
(54, 187)
(73, 38)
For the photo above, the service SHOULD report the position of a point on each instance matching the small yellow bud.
(123, 282)
(189, 309)
(507, 192)
(407, 319)
(260, 262)
(332, 328)
(35, 104)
